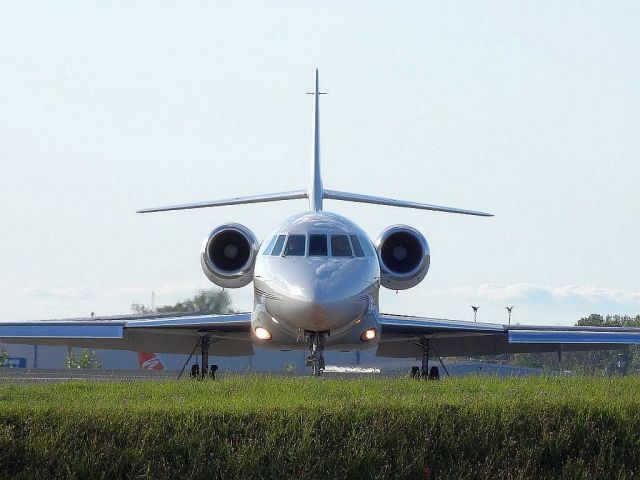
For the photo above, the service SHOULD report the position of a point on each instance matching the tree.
(4, 357)
(88, 359)
(138, 308)
(604, 362)
(204, 302)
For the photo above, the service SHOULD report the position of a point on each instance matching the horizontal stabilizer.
(268, 197)
(356, 197)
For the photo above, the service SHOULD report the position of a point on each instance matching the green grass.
(274, 427)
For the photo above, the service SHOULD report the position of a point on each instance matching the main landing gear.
(197, 372)
(315, 359)
(424, 372)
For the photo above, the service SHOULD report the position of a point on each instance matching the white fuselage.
(316, 272)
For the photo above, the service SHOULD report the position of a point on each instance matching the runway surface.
(23, 375)
(57, 375)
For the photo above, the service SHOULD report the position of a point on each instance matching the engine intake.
(228, 255)
(404, 257)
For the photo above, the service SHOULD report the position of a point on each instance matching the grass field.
(275, 427)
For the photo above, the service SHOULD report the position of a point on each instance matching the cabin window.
(340, 246)
(317, 245)
(295, 246)
(267, 250)
(357, 249)
(277, 250)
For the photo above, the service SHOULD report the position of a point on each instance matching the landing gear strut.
(204, 348)
(315, 360)
(201, 372)
(423, 371)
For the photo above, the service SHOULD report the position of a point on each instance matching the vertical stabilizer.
(315, 182)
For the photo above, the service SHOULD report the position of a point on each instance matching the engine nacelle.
(229, 255)
(404, 257)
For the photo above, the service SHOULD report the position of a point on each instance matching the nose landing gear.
(315, 359)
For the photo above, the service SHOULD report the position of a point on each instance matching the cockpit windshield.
(340, 246)
(317, 245)
(295, 246)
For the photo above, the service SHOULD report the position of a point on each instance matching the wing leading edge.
(157, 333)
(401, 335)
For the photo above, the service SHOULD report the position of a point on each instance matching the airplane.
(316, 278)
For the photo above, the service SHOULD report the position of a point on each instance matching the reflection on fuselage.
(323, 277)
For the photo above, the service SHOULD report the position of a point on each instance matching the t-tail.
(315, 192)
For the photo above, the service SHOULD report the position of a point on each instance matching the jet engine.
(229, 255)
(404, 257)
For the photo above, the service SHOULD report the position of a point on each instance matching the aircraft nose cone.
(317, 313)
(321, 294)
(321, 316)
(328, 299)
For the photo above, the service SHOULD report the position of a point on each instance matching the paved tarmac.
(24, 375)
(56, 375)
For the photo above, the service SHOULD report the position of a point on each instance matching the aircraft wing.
(164, 333)
(401, 337)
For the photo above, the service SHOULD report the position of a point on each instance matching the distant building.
(264, 360)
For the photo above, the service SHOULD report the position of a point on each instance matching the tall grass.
(262, 427)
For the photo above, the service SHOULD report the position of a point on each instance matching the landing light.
(262, 333)
(369, 334)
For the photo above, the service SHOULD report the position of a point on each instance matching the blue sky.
(529, 110)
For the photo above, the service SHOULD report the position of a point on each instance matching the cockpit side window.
(267, 250)
(317, 245)
(367, 247)
(277, 250)
(357, 249)
(340, 246)
(295, 246)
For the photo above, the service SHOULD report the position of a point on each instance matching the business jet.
(317, 278)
